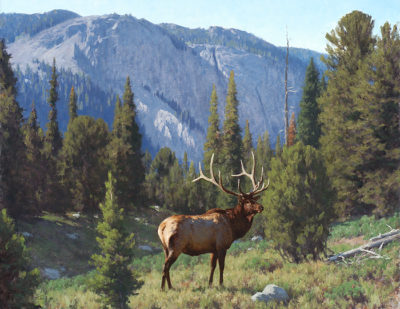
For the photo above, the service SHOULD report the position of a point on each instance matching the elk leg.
(167, 265)
(214, 257)
(221, 262)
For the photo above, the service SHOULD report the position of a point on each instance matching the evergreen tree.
(278, 146)
(72, 105)
(117, 123)
(35, 161)
(12, 148)
(159, 170)
(7, 78)
(292, 131)
(84, 165)
(18, 282)
(147, 161)
(298, 203)
(351, 43)
(212, 146)
(213, 139)
(125, 150)
(309, 129)
(185, 164)
(247, 143)
(53, 139)
(269, 153)
(114, 279)
(379, 149)
(231, 141)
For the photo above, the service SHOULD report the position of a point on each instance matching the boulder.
(271, 292)
(27, 234)
(256, 238)
(145, 248)
(51, 273)
(72, 235)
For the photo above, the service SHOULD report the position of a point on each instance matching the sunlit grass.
(371, 283)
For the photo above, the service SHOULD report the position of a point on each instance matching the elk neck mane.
(240, 223)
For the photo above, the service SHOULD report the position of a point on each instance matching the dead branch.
(378, 241)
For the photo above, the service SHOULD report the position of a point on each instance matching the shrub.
(17, 281)
(298, 204)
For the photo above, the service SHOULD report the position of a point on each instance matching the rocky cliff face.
(172, 76)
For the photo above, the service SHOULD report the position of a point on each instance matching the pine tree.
(278, 146)
(309, 129)
(125, 150)
(7, 78)
(18, 282)
(35, 161)
(12, 148)
(84, 164)
(53, 196)
(298, 203)
(53, 139)
(379, 149)
(72, 105)
(114, 279)
(213, 139)
(117, 123)
(351, 43)
(231, 141)
(147, 161)
(247, 144)
(292, 131)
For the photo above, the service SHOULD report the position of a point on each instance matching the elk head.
(246, 201)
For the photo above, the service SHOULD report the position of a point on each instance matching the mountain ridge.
(172, 77)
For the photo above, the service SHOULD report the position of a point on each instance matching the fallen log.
(373, 244)
(380, 236)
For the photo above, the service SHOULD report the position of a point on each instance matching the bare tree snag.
(286, 91)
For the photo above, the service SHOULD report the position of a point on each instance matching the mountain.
(172, 70)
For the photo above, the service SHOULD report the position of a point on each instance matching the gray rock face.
(169, 77)
(271, 292)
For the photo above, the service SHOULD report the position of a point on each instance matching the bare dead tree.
(286, 91)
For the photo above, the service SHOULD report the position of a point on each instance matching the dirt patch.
(354, 241)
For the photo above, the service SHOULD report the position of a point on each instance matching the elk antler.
(256, 186)
(212, 178)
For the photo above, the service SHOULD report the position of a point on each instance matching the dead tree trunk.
(286, 91)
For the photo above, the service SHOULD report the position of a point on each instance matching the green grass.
(366, 226)
(371, 283)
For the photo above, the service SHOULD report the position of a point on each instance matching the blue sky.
(307, 21)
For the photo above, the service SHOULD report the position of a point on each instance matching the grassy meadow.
(370, 283)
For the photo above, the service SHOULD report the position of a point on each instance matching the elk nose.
(261, 208)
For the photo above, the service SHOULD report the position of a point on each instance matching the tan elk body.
(212, 232)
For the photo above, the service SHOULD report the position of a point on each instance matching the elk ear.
(256, 198)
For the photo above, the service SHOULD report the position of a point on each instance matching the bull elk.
(214, 231)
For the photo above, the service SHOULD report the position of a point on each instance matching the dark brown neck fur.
(241, 223)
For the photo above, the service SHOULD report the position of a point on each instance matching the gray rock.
(51, 273)
(72, 235)
(271, 292)
(146, 248)
(256, 238)
(27, 234)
